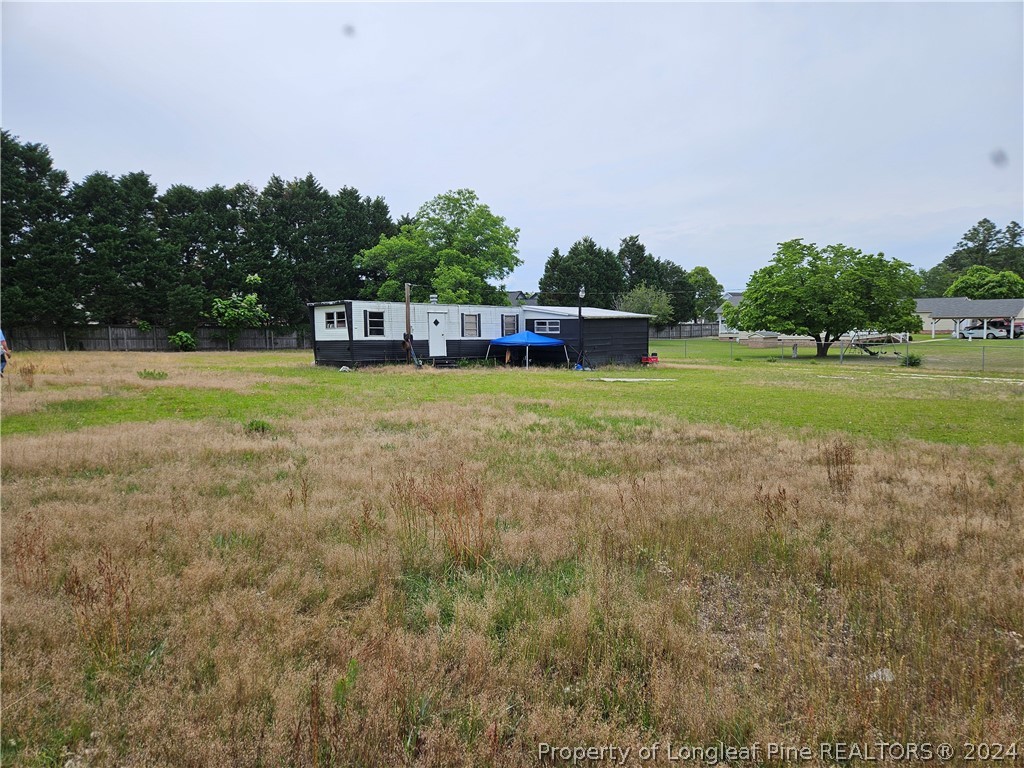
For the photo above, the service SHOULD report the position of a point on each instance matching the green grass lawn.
(883, 402)
(998, 356)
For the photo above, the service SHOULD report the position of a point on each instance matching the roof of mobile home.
(590, 313)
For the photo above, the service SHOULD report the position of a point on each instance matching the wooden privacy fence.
(685, 331)
(128, 338)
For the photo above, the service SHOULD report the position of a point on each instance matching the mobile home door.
(436, 324)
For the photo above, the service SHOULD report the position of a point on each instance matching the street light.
(579, 306)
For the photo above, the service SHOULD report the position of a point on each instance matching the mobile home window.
(547, 326)
(334, 319)
(471, 326)
(509, 324)
(374, 323)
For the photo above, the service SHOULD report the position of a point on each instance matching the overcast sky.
(711, 130)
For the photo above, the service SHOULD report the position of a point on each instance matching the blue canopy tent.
(526, 339)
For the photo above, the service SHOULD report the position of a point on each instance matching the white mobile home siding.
(354, 344)
(321, 331)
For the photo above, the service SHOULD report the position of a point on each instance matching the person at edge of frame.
(5, 352)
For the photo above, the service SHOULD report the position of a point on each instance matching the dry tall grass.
(445, 584)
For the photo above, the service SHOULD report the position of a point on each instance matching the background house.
(950, 315)
(523, 299)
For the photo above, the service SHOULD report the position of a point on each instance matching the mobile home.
(366, 332)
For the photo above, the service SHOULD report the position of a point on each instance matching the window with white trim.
(374, 323)
(547, 326)
(471, 326)
(509, 324)
(335, 319)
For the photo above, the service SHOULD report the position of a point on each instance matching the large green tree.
(646, 300)
(394, 261)
(639, 267)
(983, 245)
(986, 245)
(40, 276)
(676, 282)
(585, 264)
(707, 294)
(455, 247)
(686, 290)
(208, 234)
(980, 282)
(305, 243)
(295, 250)
(126, 270)
(1011, 247)
(362, 220)
(935, 281)
(210, 231)
(826, 292)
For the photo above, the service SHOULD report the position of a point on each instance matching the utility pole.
(408, 321)
(408, 308)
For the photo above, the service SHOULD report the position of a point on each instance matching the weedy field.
(244, 560)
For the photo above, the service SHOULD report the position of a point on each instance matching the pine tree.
(40, 284)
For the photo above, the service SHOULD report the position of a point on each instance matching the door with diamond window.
(436, 323)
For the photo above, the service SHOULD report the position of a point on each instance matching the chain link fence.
(998, 356)
(1001, 356)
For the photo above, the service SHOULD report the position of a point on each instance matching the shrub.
(152, 375)
(182, 341)
(258, 427)
(911, 360)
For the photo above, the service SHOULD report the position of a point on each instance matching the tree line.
(630, 279)
(113, 250)
(987, 263)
